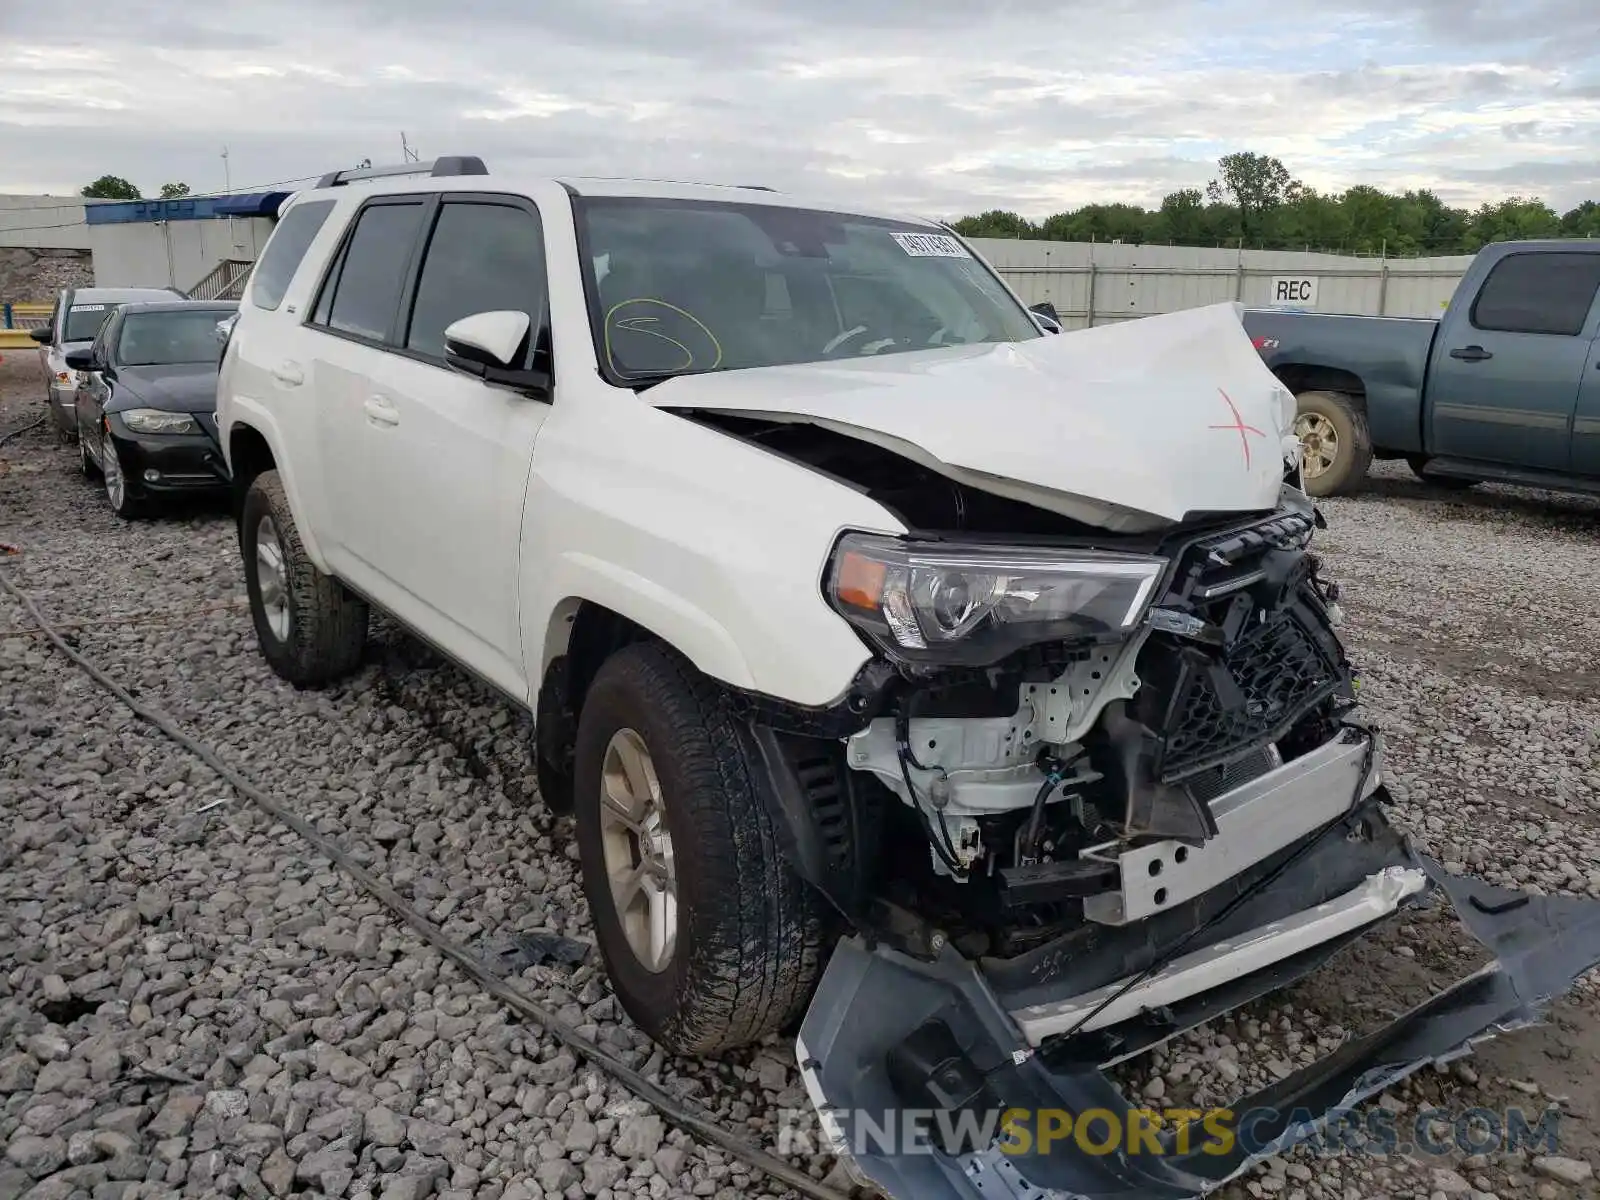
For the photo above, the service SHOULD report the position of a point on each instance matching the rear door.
(1504, 381)
(349, 329)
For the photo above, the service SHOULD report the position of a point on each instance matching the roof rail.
(445, 165)
(755, 187)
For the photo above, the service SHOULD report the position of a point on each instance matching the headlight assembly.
(154, 420)
(972, 606)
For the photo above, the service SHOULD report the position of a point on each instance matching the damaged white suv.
(972, 685)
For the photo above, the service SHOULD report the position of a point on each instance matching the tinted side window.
(1538, 293)
(482, 258)
(284, 250)
(367, 290)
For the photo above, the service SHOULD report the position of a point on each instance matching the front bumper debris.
(966, 1047)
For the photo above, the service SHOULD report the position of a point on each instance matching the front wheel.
(711, 942)
(311, 629)
(118, 496)
(86, 462)
(1336, 447)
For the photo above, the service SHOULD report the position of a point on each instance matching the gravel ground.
(195, 1004)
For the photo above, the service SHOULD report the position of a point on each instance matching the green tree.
(111, 187)
(996, 224)
(1511, 220)
(1583, 221)
(1254, 183)
(174, 191)
(1255, 198)
(1181, 218)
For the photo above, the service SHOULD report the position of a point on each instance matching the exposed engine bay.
(1011, 791)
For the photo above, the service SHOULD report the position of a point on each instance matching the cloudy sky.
(935, 106)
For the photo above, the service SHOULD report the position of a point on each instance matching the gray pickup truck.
(1504, 388)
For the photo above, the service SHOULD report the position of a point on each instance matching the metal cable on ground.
(16, 433)
(668, 1105)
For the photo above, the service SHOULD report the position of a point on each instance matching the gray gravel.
(195, 1004)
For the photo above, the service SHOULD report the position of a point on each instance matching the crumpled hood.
(178, 387)
(1129, 426)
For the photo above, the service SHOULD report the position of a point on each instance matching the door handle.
(1470, 353)
(288, 374)
(380, 411)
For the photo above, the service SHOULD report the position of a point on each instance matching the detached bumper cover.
(948, 1040)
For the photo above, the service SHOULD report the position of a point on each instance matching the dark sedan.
(146, 404)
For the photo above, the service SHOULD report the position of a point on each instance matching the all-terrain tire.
(750, 932)
(327, 623)
(1354, 451)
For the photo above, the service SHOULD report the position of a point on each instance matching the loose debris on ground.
(192, 1003)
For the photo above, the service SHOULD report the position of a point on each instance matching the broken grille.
(1222, 708)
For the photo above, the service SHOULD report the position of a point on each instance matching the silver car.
(74, 321)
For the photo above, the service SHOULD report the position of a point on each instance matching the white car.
(864, 623)
(75, 319)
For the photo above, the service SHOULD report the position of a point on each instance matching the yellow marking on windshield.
(688, 354)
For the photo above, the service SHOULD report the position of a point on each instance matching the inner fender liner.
(888, 1036)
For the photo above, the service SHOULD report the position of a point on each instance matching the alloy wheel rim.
(637, 849)
(271, 579)
(1320, 441)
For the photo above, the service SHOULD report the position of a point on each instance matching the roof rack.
(445, 165)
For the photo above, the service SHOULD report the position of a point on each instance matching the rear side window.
(84, 321)
(1538, 293)
(481, 258)
(361, 297)
(285, 248)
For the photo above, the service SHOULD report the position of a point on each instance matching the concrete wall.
(172, 253)
(1093, 283)
(44, 222)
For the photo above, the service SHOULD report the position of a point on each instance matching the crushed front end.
(1088, 799)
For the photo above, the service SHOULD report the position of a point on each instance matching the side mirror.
(1045, 316)
(82, 360)
(487, 344)
(41, 334)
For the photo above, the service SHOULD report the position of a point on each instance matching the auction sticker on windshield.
(88, 308)
(930, 245)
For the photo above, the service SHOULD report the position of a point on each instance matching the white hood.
(1129, 426)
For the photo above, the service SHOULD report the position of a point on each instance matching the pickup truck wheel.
(310, 628)
(1338, 448)
(709, 939)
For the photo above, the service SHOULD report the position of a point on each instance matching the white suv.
(848, 601)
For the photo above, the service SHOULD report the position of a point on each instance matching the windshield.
(84, 321)
(169, 338)
(678, 287)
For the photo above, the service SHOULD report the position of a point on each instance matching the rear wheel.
(710, 940)
(1337, 449)
(311, 629)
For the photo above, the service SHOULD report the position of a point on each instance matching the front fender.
(673, 618)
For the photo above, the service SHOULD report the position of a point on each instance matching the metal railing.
(225, 281)
(16, 319)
